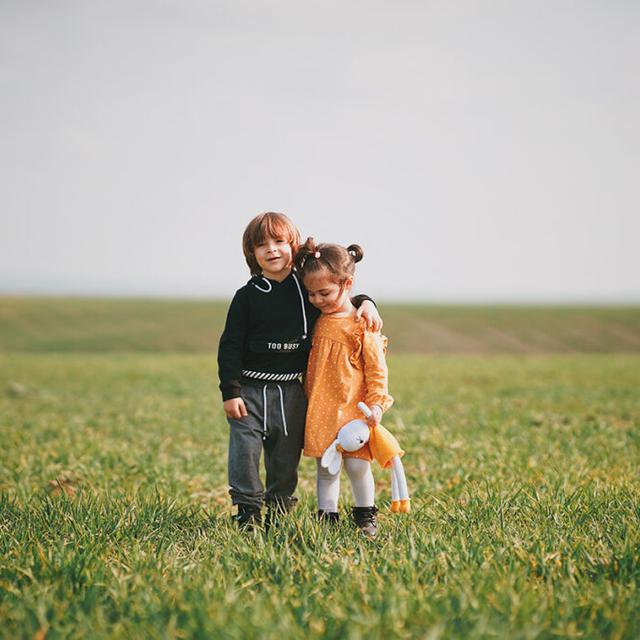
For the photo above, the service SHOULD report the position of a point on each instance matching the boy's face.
(274, 257)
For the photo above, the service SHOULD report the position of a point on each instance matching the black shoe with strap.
(365, 519)
(328, 517)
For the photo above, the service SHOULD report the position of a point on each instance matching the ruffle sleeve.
(355, 357)
(374, 348)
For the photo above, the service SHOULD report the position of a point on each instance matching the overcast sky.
(476, 150)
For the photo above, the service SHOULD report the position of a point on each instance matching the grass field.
(114, 512)
(84, 325)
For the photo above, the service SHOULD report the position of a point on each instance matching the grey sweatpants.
(275, 423)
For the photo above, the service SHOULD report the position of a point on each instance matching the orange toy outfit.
(346, 366)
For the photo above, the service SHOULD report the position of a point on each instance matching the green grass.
(525, 522)
(107, 325)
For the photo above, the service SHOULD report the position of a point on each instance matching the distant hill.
(148, 325)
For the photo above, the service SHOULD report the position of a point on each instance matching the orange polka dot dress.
(346, 366)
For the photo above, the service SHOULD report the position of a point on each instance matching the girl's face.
(327, 295)
(274, 255)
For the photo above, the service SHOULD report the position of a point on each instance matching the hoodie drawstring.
(269, 285)
(304, 315)
(264, 411)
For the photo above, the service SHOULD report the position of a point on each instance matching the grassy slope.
(85, 325)
(524, 472)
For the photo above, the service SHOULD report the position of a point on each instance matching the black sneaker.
(282, 504)
(248, 517)
(277, 507)
(365, 519)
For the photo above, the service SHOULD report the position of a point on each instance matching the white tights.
(362, 484)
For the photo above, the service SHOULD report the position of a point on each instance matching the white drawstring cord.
(284, 420)
(261, 289)
(304, 315)
(264, 412)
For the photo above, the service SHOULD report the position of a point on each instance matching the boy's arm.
(359, 299)
(366, 308)
(231, 347)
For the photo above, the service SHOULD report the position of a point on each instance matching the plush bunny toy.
(353, 436)
(384, 448)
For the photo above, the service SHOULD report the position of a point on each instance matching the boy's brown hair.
(339, 261)
(268, 225)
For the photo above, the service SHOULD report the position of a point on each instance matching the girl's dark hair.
(340, 262)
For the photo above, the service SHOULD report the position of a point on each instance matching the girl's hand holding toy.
(375, 415)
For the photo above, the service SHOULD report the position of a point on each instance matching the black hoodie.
(267, 335)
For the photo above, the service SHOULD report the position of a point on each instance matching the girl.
(346, 366)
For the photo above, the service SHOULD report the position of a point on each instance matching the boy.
(262, 357)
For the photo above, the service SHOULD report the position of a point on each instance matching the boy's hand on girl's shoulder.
(369, 312)
(234, 408)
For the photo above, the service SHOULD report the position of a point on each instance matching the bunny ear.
(328, 454)
(335, 464)
(332, 458)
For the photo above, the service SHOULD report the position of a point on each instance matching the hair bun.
(356, 252)
(304, 251)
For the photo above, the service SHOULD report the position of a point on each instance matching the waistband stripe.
(276, 377)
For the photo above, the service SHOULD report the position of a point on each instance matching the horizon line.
(435, 301)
